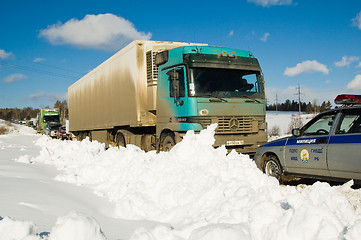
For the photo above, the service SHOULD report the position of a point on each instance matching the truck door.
(306, 154)
(172, 103)
(344, 146)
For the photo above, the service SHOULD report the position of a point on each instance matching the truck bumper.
(242, 143)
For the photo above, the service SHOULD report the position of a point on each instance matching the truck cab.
(201, 85)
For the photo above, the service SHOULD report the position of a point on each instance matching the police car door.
(344, 149)
(306, 154)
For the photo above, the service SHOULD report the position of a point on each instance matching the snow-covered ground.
(64, 190)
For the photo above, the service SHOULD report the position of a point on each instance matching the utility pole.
(299, 104)
(299, 99)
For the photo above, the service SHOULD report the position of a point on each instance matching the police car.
(327, 147)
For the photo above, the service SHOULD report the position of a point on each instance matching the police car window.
(321, 126)
(350, 123)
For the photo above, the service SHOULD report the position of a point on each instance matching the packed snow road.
(77, 190)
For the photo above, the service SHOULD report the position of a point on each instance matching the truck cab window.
(176, 81)
(227, 82)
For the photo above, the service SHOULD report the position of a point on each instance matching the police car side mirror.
(296, 132)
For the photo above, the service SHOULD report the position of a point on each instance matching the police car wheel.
(272, 167)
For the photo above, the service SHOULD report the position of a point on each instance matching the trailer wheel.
(168, 142)
(81, 136)
(120, 140)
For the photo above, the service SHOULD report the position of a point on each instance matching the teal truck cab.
(198, 86)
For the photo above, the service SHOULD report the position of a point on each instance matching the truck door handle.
(322, 140)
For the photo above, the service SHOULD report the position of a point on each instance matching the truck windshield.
(217, 82)
(54, 118)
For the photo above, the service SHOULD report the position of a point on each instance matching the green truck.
(48, 121)
(151, 93)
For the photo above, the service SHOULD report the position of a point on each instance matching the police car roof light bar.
(348, 99)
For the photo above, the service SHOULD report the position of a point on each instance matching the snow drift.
(194, 192)
(202, 192)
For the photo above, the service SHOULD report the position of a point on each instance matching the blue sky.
(45, 46)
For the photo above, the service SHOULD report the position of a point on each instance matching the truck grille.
(233, 124)
(152, 71)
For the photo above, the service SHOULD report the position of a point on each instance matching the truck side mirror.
(174, 79)
(262, 82)
(175, 83)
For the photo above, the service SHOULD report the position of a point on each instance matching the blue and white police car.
(327, 147)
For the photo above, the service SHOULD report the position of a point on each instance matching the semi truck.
(151, 93)
(48, 121)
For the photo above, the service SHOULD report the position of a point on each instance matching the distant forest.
(12, 114)
(289, 105)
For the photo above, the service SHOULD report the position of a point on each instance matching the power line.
(58, 68)
(54, 74)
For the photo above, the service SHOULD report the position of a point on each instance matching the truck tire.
(167, 143)
(81, 136)
(272, 167)
(120, 140)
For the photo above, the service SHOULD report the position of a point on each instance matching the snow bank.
(74, 226)
(16, 129)
(202, 192)
(17, 230)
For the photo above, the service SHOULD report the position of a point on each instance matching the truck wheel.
(89, 135)
(81, 136)
(120, 140)
(272, 167)
(168, 142)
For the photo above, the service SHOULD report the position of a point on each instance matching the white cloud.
(306, 67)
(38, 59)
(265, 37)
(36, 96)
(357, 20)
(103, 31)
(345, 61)
(48, 96)
(355, 84)
(267, 3)
(230, 34)
(359, 65)
(4, 54)
(16, 77)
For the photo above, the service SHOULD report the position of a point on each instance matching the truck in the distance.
(48, 121)
(151, 93)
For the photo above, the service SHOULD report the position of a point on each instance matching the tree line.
(309, 107)
(12, 114)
